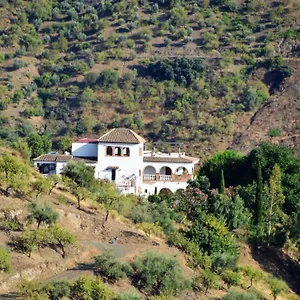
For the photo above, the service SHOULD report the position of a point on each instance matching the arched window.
(126, 151)
(181, 171)
(118, 151)
(109, 151)
(165, 171)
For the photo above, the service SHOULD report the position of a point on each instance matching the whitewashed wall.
(149, 188)
(127, 165)
(85, 149)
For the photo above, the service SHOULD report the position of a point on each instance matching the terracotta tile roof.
(121, 135)
(169, 159)
(86, 140)
(64, 158)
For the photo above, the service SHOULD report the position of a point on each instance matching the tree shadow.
(9, 296)
(83, 267)
(280, 265)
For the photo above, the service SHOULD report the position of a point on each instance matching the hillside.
(78, 237)
(196, 72)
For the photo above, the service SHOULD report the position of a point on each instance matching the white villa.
(120, 156)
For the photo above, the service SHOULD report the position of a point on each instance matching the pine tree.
(222, 183)
(259, 195)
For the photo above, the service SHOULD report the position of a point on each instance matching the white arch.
(165, 171)
(149, 170)
(181, 171)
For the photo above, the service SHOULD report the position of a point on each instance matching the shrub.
(4, 261)
(239, 295)
(212, 236)
(110, 267)
(90, 289)
(130, 295)
(158, 274)
(205, 280)
(273, 132)
(18, 63)
(231, 278)
(10, 222)
(26, 242)
(182, 70)
(223, 261)
(33, 289)
(149, 228)
(58, 289)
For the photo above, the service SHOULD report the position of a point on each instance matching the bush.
(231, 278)
(213, 236)
(273, 132)
(18, 63)
(9, 222)
(90, 289)
(58, 289)
(4, 261)
(239, 295)
(205, 281)
(182, 70)
(131, 295)
(224, 261)
(110, 267)
(158, 274)
(33, 289)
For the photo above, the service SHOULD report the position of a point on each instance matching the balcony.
(149, 177)
(165, 177)
(176, 178)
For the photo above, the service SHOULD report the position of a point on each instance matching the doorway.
(113, 174)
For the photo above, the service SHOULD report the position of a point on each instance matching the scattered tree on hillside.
(206, 280)
(277, 287)
(60, 238)
(54, 181)
(81, 174)
(107, 195)
(78, 191)
(13, 173)
(41, 214)
(252, 273)
(41, 186)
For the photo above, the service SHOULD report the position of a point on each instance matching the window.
(146, 191)
(126, 151)
(109, 151)
(118, 151)
(140, 173)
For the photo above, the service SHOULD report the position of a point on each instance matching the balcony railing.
(149, 177)
(165, 177)
(174, 177)
(124, 183)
